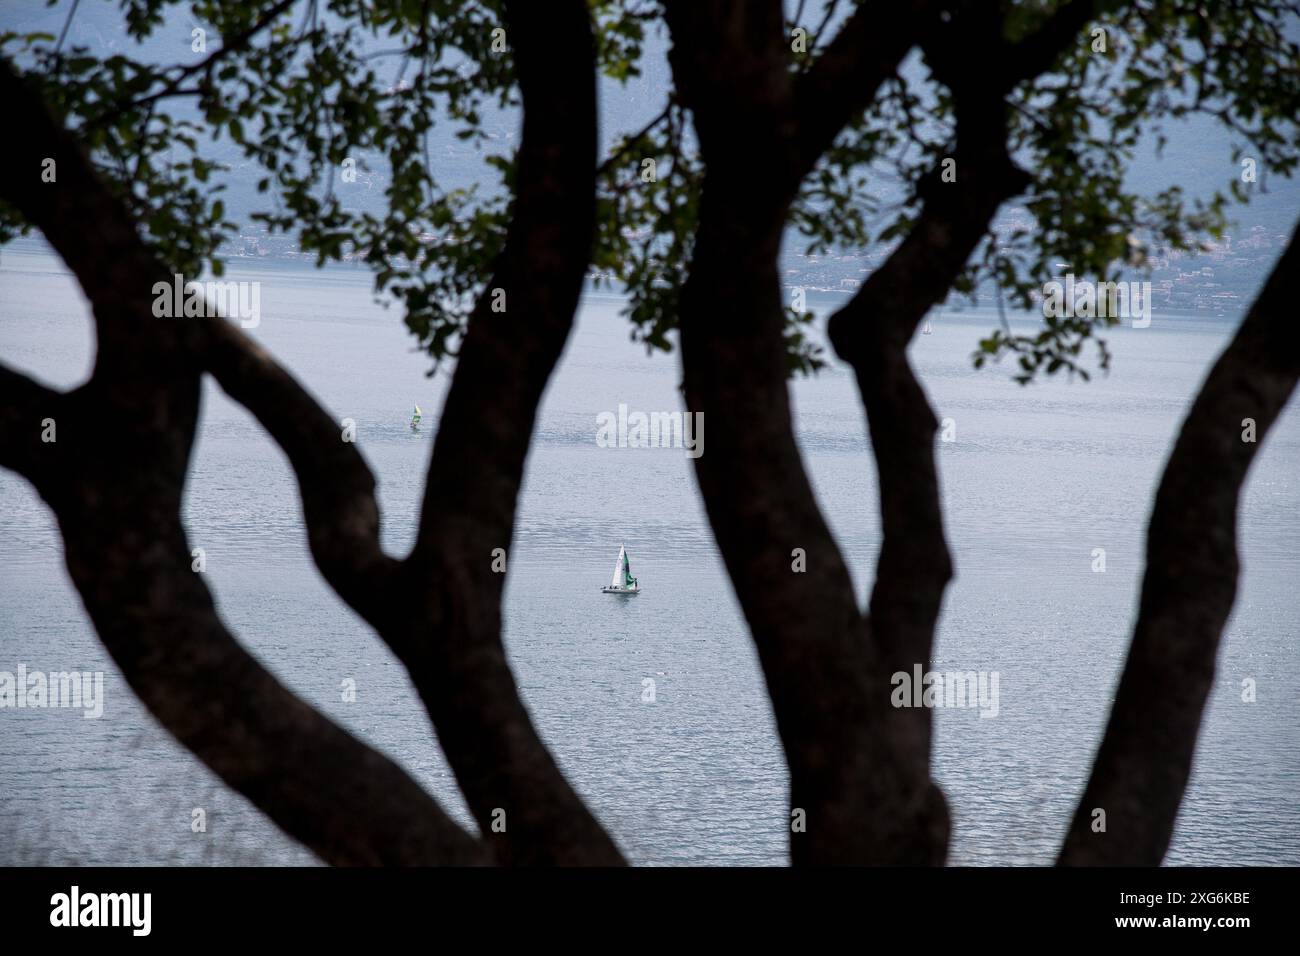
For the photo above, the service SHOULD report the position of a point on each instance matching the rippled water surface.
(1036, 479)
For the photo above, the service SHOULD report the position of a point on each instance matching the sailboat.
(415, 419)
(622, 582)
(926, 330)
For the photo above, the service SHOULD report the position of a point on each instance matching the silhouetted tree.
(770, 123)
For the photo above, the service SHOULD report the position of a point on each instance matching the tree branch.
(859, 766)
(873, 330)
(449, 634)
(337, 487)
(862, 797)
(1038, 52)
(452, 644)
(236, 43)
(871, 333)
(348, 803)
(1145, 759)
(118, 504)
(24, 407)
(129, 343)
(845, 79)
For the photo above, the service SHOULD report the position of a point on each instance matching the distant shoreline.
(37, 247)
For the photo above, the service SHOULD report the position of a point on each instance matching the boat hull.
(609, 590)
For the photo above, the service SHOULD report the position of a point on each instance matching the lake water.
(1036, 479)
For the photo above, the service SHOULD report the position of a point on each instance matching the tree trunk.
(1145, 759)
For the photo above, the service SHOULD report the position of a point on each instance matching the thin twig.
(66, 25)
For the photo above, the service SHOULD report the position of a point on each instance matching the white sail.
(622, 582)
